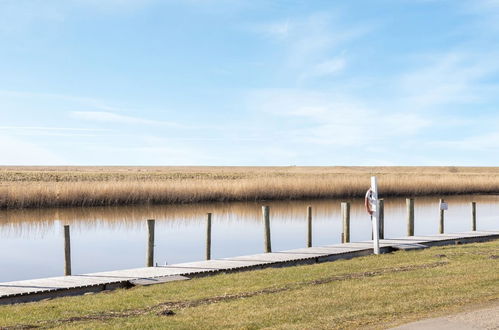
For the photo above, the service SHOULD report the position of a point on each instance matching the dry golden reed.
(35, 187)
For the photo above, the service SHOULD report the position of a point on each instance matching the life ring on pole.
(367, 201)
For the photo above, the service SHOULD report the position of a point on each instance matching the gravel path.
(483, 318)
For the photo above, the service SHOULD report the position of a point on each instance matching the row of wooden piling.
(345, 235)
(441, 223)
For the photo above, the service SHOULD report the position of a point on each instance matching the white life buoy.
(367, 201)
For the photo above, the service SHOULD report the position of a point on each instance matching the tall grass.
(33, 187)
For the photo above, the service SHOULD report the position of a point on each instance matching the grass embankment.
(373, 291)
(36, 187)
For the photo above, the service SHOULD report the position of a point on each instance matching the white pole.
(375, 223)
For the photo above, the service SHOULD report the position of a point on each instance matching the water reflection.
(115, 237)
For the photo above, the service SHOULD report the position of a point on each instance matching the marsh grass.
(36, 187)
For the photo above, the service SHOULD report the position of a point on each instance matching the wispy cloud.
(43, 128)
(51, 131)
(482, 142)
(61, 99)
(98, 110)
(313, 44)
(482, 17)
(24, 15)
(14, 151)
(330, 119)
(332, 83)
(112, 4)
(109, 117)
(455, 77)
(487, 8)
(374, 113)
(279, 30)
(326, 68)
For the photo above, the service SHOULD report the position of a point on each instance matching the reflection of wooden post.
(345, 215)
(67, 251)
(381, 218)
(150, 243)
(441, 223)
(410, 216)
(208, 236)
(266, 221)
(473, 216)
(309, 227)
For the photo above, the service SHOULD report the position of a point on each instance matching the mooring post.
(374, 202)
(473, 216)
(309, 227)
(345, 215)
(208, 236)
(266, 221)
(410, 216)
(381, 218)
(67, 251)
(150, 243)
(442, 217)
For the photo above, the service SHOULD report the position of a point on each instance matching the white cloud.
(86, 108)
(109, 117)
(41, 128)
(60, 100)
(484, 5)
(23, 15)
(411, 106)
(337, 120)
(279, 30)
(50, 131)
(151, 150)
(323, 69)
(486, 14)
(112, 3)
(449, 78)
(484, 142)
(14, 151)
(312, 43)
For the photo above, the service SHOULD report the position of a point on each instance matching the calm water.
(31, 242)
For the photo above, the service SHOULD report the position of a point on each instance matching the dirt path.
(482, 318)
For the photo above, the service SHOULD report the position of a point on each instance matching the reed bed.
(33, 187)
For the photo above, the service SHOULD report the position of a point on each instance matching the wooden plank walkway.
(37, 289)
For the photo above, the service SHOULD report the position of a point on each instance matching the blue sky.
(256, 82)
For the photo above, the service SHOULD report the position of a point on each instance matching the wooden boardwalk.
(31, 290)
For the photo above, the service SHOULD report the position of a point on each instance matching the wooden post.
(375, 215)
(266, 220)
(410, 216)
(345, 215)
(67, 251)
(309, 227)
(150, 243)
(381, 218)
(473, 216)
(441, 222)
(208, 236)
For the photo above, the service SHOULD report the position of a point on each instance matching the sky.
(249, 82)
